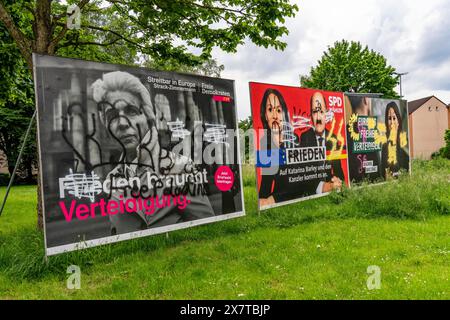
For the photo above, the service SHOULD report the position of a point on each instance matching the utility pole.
(400, 76)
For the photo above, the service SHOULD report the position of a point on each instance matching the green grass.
(316, 249)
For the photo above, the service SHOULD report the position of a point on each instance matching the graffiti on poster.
(377, 135)
(129, 152)
(301, 143)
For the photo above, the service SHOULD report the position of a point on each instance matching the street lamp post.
(400, 74)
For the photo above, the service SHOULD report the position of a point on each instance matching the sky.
(414, 36)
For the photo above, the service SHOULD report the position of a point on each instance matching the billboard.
(377, 135)
(301, 149)
(129, 152)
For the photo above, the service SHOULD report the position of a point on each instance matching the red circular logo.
(224, 178)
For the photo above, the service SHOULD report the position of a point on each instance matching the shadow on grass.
(423, 195)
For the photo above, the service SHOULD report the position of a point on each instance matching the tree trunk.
(28, 170)
(43, 34)
(42, 27)
(10, 168)
(44, 42)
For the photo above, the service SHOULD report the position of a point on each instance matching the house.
(428, 117)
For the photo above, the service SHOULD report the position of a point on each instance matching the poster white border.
(49, 251)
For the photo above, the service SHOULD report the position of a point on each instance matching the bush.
(436, 154)
(4, 179)
(444, 152)
(423, 194)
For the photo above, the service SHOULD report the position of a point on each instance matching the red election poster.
(301, 149)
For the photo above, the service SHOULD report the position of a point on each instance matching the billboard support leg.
(11, 180)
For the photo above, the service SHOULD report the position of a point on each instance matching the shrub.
(445, 151)
(4, 179)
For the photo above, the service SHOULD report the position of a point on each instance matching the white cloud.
(412, 35)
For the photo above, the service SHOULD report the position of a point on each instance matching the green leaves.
(169, 27)
(209, 67)
(119, 31)
(445, 150)
(348, 66)
(174, 35)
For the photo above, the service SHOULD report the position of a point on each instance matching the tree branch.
(125, 12)
(241, 11)
(117, 34)
(92, 8)
(30, 9)
(62, 33)
(22, 41)
(89, 43)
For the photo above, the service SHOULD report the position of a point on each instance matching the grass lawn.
(316, 249)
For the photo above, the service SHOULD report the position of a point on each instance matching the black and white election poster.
(127, 152)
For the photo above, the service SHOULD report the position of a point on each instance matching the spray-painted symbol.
(178, 129)
(80, 185)
(216, 133)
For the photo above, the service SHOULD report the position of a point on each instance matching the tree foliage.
(171, 33)
(350, 67)
(210, 67)
(160, 29)
(245, 125)
(17, 94)
(445, 150)
(16, 105)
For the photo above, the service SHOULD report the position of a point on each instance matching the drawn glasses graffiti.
(301, 147)
(311, 142)
(129, 152)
